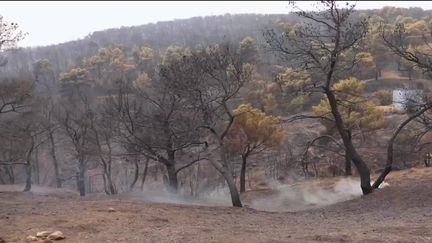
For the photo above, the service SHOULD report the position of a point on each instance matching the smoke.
(307, 195)
(277, 198)
(215, 197)
(41, 190)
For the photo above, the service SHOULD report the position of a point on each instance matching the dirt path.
(399, 213)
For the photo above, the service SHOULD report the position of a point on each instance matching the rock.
(111, 210)
(44, 241)
(31, 238)
(43, 234)
(57, 235)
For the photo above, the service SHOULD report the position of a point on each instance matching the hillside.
(186, 32)
(189, 32)
(398, 213)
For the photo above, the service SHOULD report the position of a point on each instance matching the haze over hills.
(59, 20)
(190, 32)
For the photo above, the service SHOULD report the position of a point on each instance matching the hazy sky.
(56, 22)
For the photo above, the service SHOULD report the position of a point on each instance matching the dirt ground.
(398, 213)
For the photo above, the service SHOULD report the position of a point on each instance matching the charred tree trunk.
(2, 181)
(10, 173)
(377, 73)
(427, 159)
(28, 171)
(243, 174)
(361, 166)
(194, 181)
(172, 182)
(108, 183)
(105, 184)
(227, 172)
(37, 167)
(80, 178)
(172, 177)
(348, 170)
(144, 175)
(235, 196)
(28, 168)
(55, 161)
(136, 174)
(111, 187)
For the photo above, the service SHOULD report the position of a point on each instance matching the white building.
(402, 97)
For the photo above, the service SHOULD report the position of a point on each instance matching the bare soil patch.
(399, 213)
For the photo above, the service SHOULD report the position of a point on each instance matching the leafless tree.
(420, 57)
(156, 122)
(319, 45)
(47, 87)
(10, 35)
(224, 74)
(103, 136)
(75, 117)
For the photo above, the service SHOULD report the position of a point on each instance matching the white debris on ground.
(46, 236)
(382, 185)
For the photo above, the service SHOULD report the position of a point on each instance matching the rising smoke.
(307, 195)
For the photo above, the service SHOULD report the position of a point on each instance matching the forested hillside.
(219, 102)
(198, 31)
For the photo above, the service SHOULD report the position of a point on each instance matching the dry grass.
(386, 109)
(388, 74)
